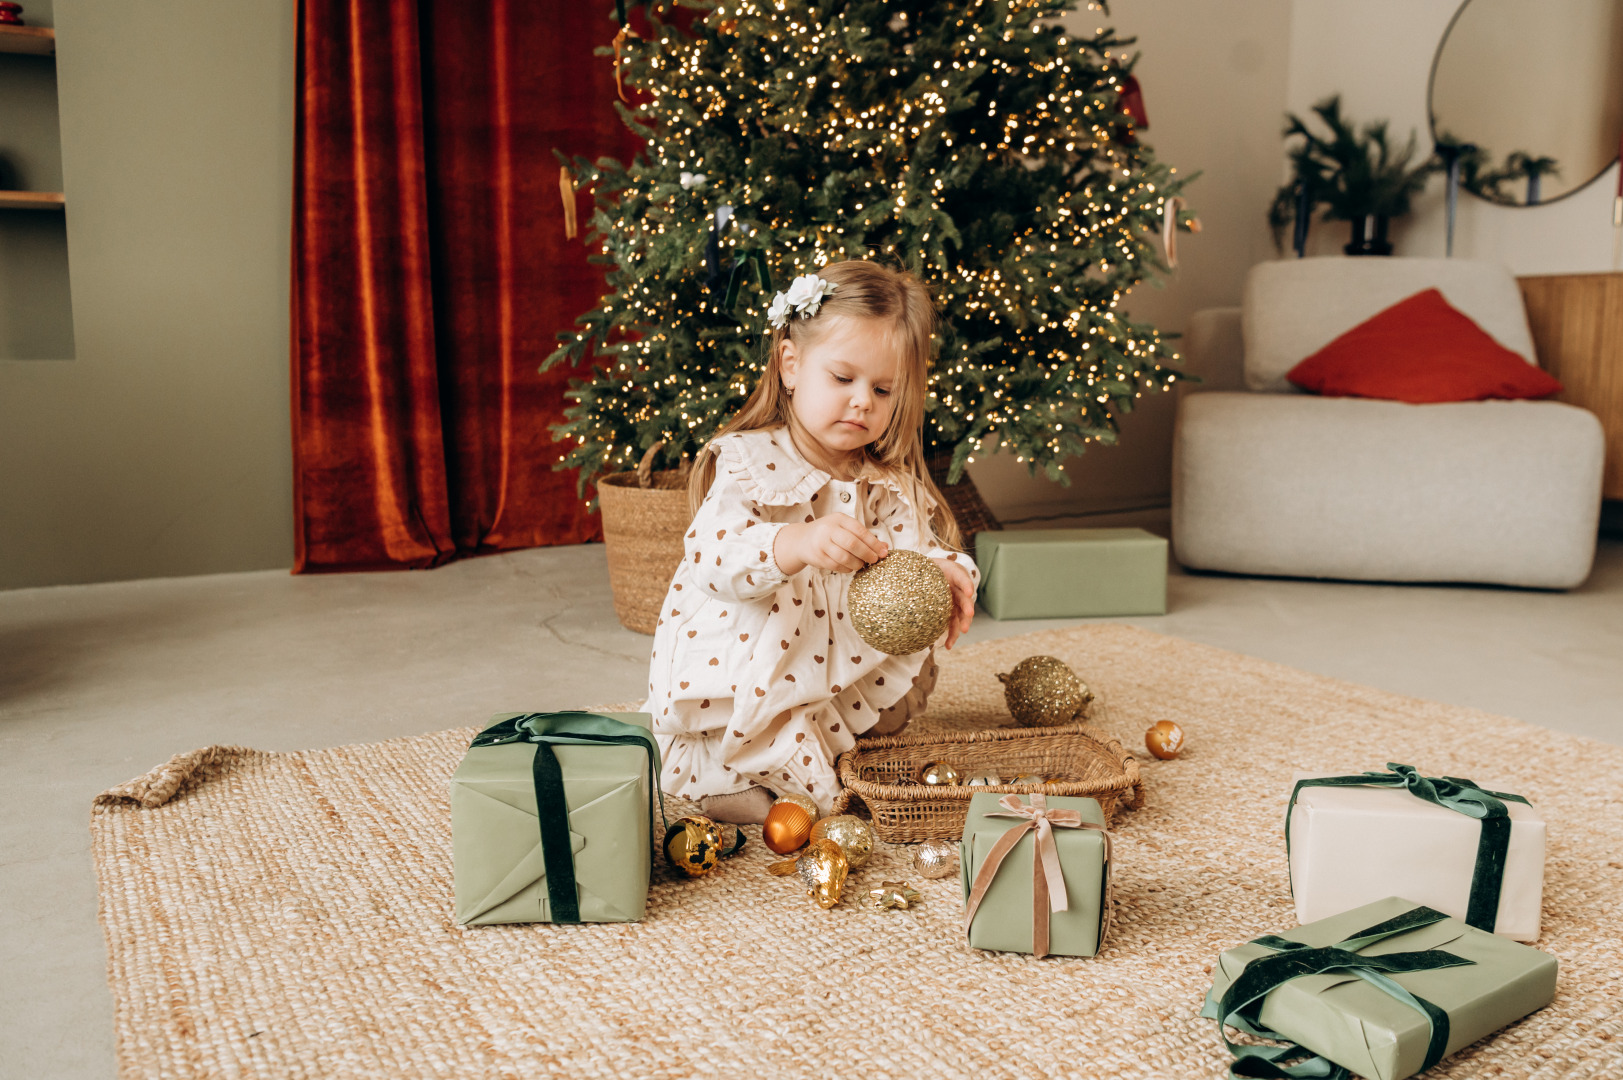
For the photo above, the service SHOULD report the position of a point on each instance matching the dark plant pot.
(1369, 236)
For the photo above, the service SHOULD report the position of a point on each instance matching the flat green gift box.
(1071, 573)
(499, 859)
(1345, 1015)
(1004, 919)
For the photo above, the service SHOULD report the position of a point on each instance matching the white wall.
(1378, 54)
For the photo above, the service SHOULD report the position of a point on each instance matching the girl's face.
(843, 384)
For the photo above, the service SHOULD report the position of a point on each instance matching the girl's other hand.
(963, 598)
(836, 543)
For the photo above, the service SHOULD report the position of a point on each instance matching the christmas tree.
(974, 141)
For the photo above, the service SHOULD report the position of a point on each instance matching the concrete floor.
(99, 683)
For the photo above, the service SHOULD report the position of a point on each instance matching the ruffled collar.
(772, 471)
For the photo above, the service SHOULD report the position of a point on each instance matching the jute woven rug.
(289, 915)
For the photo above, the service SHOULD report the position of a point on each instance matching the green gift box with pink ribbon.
(1036, 874)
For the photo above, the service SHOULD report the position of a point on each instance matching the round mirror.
(1529, 95)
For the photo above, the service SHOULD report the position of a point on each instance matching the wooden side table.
(1577, 323)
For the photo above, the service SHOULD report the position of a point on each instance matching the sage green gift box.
(499, 859)
(1443, 986)
(1071, 573)
(1004, 919)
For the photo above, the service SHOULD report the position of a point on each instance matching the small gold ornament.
(984, 779)
(1164, 739)
(939, 774)
(935, 858)
(805, 801)
(693, 844)
(787, 827)
(893, 894)
(854, 836)
(822, 868)
(1030, 779)
(1041, 692)
(900, 604)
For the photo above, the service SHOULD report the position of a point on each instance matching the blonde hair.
(863, 290)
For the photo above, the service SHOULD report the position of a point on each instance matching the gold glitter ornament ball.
(935, 858)
(854, 836)
(1041, 692)
(900, 604)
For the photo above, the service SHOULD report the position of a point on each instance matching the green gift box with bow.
(1385, 990)
(551, 819)
(1036, 874)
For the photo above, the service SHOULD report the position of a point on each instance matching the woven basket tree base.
(289, 915)
(965, 502)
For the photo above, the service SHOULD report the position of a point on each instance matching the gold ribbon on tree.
(1047, 881)
(619, 44)
(566, 190)
(1169, 228)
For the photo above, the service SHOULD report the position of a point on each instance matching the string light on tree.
(976, 141)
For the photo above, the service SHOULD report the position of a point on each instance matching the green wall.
(162, 447)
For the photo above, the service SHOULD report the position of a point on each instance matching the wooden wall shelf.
(35, 40)
(32, 200)
(1577, 323)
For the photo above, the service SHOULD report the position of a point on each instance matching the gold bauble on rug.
(854, 836)
(900, 604)
(1042, 692)
(693, 844)
(1164, 739)
(822, 869)
(787, 827)
(935, 858)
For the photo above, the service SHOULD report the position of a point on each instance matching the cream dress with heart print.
(757, 677)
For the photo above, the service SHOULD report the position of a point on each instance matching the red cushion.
(1421, 350)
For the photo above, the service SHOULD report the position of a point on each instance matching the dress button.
(845, 496)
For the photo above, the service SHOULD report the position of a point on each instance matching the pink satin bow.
(1047, 881)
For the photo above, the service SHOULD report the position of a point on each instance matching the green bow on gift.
(1451, 793)
(546, 730)
(1241, 1002)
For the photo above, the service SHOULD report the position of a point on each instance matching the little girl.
(758, 682)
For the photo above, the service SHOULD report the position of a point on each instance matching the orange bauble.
(787, 828)
(1164, 739)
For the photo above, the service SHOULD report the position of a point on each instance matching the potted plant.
(1354, 174)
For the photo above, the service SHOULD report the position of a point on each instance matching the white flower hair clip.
(804, 296)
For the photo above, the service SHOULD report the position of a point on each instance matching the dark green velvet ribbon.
(1452, 793)
(546, 730)
(763, 276)
(1241, 1003)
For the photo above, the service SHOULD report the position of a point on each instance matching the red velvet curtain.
(431, 273)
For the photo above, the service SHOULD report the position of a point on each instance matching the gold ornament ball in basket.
(881, 774)
(645, 514)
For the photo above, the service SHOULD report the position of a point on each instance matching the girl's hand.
(837, 543)
(963, 598)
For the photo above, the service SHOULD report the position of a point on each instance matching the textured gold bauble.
(935, 858)
(939, 774)
(805, 801)
(822, 869)
(787, 827)
(692, 845)
(854, 836)
(900, 604)
(1164, 739)
(1041, 692)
